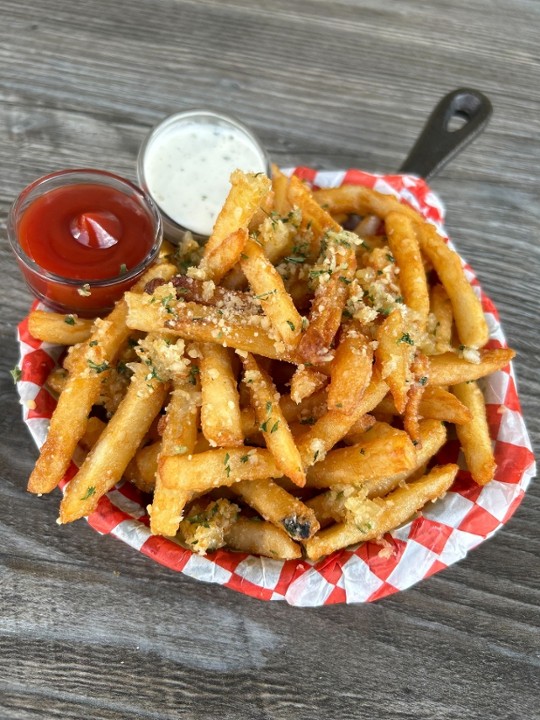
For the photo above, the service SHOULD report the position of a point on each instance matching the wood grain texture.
(88, 627)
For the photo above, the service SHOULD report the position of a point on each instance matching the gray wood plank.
(90, 628)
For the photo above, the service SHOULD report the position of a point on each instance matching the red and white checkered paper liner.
(442, 535)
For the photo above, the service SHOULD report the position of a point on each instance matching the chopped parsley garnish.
(291, 325)
(344, 280)
(264, 295)
(297, 259)
(69, 319)
(390, 258)
(268, 408)
(244, 256)
(400, 299)
(92, 343)
(362, 451)
(227, 466)
(244, 459)
(88, 494)
(274, 427)
(406, 338)
(193, 372)
(423, 380)
(16, 374)
(264, 426)
(123, 269)
(98, 368)
(318, 273)
(308, 421)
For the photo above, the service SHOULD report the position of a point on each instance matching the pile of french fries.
(284, 389)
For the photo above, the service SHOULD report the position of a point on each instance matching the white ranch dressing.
(187, 169)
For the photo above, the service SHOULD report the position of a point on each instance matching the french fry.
(418, 381)
(354, 465)
(468, 314)
(279, 507)
(334, 273)
(376, 517)
(449, 369)
(393, 355)
(179, 437)
(193, 321)
(330, 505)
(251, 535)
(280, 184)
(247, 193)
(441, 307)
(272, 422)
(305, 382)
(94, 428)
(268, 287)
(405, 248)
(436, 404)
(220, 411)
(474, 435)
(206, 524)
(105, 464)
(57, 380)
(217, 262)
(351, 370)
(217, 468)
(59, 329)
(332, 427)
(142, 468)
(315, 219)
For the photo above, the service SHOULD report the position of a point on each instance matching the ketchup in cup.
(82, 238)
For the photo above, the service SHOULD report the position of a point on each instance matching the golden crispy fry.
(94, 428)
(179, 437)
(351, 370)
(216, 468)
(449, 369)
(315, 219)
(220, 412)
(280, 184)
(117, 444)
(279, 507)
(332, 427)
(330, 505)
(436, 404)
(305, 382)
(468, 314)
(272, 423)
(432, 436)
(206, 524)
(393, 356)
(193, 321)
(247, 194)
(474, 435)
(59, 329)
(354, 465)
(216, 263)
(334, 273)
(373, 518)
(405, 249)
(251, 535)
(268, 287)
(57, 380)
(441, 307)
(418, 381)
(142, 468)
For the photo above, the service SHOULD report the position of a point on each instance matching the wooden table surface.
(92, 629)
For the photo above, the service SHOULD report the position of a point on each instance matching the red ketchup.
(82, 241)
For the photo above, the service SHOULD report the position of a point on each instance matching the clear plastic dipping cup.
(82, 238)
(185, 164)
